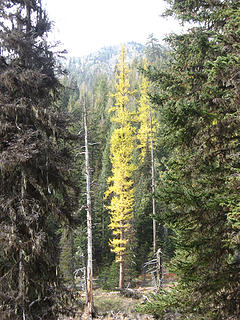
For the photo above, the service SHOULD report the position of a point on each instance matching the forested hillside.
(102, 62)
(120, 169)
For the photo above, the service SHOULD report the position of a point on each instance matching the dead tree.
(89, 220)
(153, 189)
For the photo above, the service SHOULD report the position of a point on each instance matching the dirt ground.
(113, 305)
(116, 305)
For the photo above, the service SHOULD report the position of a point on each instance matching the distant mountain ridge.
(102, 61)
(105, 54)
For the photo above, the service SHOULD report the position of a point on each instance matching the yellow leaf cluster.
(144, 118)
(121, 111)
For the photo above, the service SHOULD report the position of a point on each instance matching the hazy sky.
(84, 26)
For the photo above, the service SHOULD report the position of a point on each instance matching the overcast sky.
(84, 26)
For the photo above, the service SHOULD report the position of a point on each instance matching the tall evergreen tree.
(199, 101)
(36, 187)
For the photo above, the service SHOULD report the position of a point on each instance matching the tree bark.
(121, 272)
(121, 260)
(153, 190)
(159, 269)
(89, 221)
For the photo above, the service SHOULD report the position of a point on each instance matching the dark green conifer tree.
(199, 101)
(36, 187)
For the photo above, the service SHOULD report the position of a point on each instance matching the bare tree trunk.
(89, 221)
(121, 272)
(158, 252)
(153, 189)
(121, 260)
(159, 269)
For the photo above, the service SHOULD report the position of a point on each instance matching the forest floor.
(116, 305)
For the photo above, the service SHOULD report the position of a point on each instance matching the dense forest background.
(96, 74)
(183, 114)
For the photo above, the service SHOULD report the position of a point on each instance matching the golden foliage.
(121, 149)
(144, 118)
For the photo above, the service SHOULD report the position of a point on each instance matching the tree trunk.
(89, 221)
(159, 269)
(121, 260)
(121, 272)
(153, 190)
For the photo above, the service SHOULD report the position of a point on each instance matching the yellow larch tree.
(146, 135)
(121, 187)
(146, 119)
